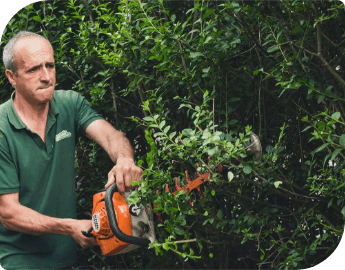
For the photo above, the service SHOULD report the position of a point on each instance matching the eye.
(50, 65)
(34, 69)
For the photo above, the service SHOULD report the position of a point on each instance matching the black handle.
(88, 233)
(113, 222)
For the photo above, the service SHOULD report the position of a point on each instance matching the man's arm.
(120, 151)
(17, 217)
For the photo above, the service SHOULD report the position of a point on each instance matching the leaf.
(208, 13)
(336, 115)
(336, 153)
(320, 99)
(343, 211)
(297, 29)
(321, 147)
(247, 169)
(256, 72)
(342, 140)
(148, 118)
(179, 230)
(166, 246)
(212, 151)
(172, 134)
(308, 127)
(219, 214)
(321, 126)
(166, 129)
(206, 70)
(196, 54)
(181, 219)
(134, 183)
(162, 124)
(330, 203)
(230, 176)
(208, 39)
(273, 48)
(277, 183)
(37, 18)
(232, 122)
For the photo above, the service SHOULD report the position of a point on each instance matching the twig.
(179, 242)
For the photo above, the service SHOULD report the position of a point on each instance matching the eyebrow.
(40, 65)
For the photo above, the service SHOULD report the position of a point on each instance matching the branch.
(90, 13)
(182, 57)
(113, 95)
(319, 52)
(323, 60)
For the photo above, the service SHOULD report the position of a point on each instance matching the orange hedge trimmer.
(119, 227)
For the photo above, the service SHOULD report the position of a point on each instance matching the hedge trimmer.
(120, 228)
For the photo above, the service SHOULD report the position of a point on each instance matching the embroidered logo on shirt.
(62, 135)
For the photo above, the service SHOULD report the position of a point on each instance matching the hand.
(123, 173)
(82, 225)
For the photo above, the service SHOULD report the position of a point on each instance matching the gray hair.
(7, 55)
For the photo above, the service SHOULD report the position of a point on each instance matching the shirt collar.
(15, 119)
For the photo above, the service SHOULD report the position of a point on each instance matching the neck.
(33, 115)
(30, 111)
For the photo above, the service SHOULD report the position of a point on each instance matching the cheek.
(53, 76)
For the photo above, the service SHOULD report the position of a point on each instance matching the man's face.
(35, 79)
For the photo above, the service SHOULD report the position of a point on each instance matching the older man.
(38, 130)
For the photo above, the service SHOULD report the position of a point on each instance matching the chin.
(45, 95)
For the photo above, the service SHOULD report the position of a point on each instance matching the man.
(38, 130)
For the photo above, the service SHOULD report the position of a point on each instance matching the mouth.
(44, 88)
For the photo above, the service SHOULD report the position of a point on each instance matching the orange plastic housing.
(105, 238)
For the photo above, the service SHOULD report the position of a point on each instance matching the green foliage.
(189, 80)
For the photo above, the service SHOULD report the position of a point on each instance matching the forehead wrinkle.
(24, 51)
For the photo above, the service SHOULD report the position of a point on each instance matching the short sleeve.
(85, 115)
(9, 181)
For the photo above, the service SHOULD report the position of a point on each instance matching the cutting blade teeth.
(187, 177)
(167, 188)
(177, 185)
(198, 174)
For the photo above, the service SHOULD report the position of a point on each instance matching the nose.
(45, 75)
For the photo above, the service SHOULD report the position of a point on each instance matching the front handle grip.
(113, 222)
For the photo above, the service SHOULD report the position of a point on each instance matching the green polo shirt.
(44, 176)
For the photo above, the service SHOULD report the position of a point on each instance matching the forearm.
(118, 146)
(120, 151)
(113, 141)
(25, 220)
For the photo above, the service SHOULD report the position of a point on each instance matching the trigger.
(88, 233)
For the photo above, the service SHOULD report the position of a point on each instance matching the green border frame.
(9, 8)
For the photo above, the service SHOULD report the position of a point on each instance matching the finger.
(120, 182)
(139, 173)
(128, 178)
(111, 179)
(92, 242)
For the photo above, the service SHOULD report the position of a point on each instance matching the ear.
(11, 77)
